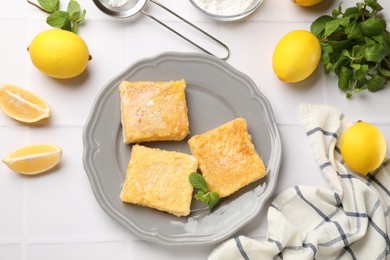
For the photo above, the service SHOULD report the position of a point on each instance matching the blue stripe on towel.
(325, 217)
(324, 132)
(241, 249)
(280, 247)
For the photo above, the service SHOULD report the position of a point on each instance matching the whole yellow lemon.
(363, 147)
(59, 53)
(296, 56)
(306, 2)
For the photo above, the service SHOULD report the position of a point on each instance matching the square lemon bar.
(159, 179)
(227, 157)
(153, 111)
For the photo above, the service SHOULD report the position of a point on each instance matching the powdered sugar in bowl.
(227, 10)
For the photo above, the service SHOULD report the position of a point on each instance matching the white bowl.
(229, 17)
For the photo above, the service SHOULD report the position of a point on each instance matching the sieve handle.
(191, 24)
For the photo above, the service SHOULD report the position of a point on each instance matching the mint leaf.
(355, 66)
(371, 2)
(385, 72)
(74, 9)
(384, 40)
(352, 12)
(210, 198)
(67, 20)
(358, 53)
(361, 7)
(337, 12)
(339, 45)
(376, 83)
(318, 26)
(373, 26)
(374, 52)
(345, 75)
(198, 182)
(213, 199)
(326, 47)
(361, 73)
(353, 31)
(82, 17)
(341, 61)
(59, 19)
(49, 5)
(201, 197)
(333, 26)
(374, 5)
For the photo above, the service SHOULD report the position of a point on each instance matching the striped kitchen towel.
(349, 220)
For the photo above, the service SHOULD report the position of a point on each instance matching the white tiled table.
(56, 216)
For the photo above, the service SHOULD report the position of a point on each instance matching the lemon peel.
(59, 54)
(296, 56)
(363, 147)
(306, 2)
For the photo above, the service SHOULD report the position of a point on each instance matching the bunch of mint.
(356, 46)
(67, 20)
(211, 198)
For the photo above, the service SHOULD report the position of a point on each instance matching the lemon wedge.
(34, 159)
(22, 105)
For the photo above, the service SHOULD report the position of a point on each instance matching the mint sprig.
(50, 5)
(211, 198)
(66, 20)
(356, 46)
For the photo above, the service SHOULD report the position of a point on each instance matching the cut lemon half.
(22, 105)
(34, 159)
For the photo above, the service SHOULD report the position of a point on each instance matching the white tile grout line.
(8, 242)
(192, 19)
(71, 241)
(129, 250)
(23, 244)
(5, 125)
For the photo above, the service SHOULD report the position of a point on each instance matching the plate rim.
(89, 148)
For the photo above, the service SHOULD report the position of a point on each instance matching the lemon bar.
(159, 179)
(227, 157)
(153, 111)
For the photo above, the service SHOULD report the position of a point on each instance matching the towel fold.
(349, 220)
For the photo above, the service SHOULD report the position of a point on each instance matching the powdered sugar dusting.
(117, 3)
(224, 7)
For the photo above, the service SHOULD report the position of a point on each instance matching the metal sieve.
(134, 7)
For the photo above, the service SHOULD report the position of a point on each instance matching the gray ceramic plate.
(216, 93)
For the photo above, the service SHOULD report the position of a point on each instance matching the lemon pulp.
(22, 105)
(34, 159)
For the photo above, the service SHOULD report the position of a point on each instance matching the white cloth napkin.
(348, 221)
